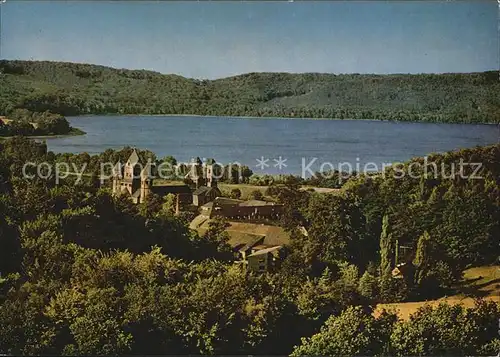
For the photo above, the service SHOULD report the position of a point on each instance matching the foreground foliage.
(442, 331)
(83, 272)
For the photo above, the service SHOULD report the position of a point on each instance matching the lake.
(303, 143)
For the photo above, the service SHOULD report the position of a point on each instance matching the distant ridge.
(77, 89)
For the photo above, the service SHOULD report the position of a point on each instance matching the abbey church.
(135, 180)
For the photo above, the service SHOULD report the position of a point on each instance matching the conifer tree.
(386, 248)
(422, 257)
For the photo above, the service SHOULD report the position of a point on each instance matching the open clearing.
(246, 189)
(478, 282)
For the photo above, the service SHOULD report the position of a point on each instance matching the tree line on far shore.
(78, 89)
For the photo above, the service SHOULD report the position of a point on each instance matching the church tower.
(196, 172)
(116, 176)
(131, 174)
(146, 182)
(209, 174)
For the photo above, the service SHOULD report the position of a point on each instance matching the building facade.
(137, 181)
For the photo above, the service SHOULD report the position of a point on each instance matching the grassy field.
(161, 182)
(247, 189)
(478, 282)
(244, 188)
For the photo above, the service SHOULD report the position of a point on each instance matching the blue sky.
(218, 39)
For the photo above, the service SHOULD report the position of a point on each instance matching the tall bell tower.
(196, 172)
(209, 174)
(146, 182)
(131, 173)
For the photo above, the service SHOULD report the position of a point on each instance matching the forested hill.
(73, 89)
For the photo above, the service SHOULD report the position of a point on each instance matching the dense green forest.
(85, 272)
(27, 123)
(76, 89)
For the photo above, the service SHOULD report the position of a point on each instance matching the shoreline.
(76, 133)
(274, 118)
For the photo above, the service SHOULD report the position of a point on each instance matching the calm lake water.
(298, 141)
